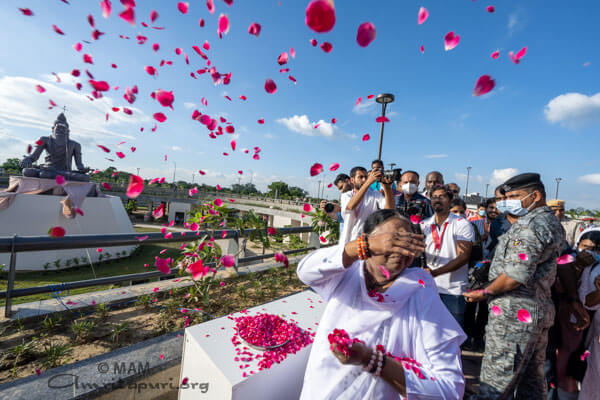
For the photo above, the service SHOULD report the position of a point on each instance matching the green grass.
(132, 265)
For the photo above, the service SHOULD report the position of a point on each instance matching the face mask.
(501, 206)
(409, 188)
(596, 255)
(481, 213)
(515, 207)
(459, 214)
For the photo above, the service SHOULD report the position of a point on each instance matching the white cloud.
(22, 106)
(594, 179)
(516, 22)
(436, 156)
(501, 175)
(65, 78)
(364, 107)
(573, 109)
(189, 105)
(269, 136)
(176, 148)
(301, 124)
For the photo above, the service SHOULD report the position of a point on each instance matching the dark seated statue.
(60, 153)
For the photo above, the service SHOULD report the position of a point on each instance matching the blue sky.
(542, 116)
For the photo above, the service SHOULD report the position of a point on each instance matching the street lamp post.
(319, 190)
(138, 172)
(174, 171)
(193, 178)
(557, 183)
(384, 99)
(487, 185)
(468, 175)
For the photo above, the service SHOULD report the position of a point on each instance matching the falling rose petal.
(106, 8)
(211, 6)
(57, 30)
(524, 316)
(523, 257)
(384, 271)
(77, 47)
(421, 282)
(233, 144)
(496, 54)
(60, 180)
(484, 85)
(150, 70)
(165, 98)
(366, 34)
(159, 211)
(261, 121)
(516, 58)
(153, 16)
(57, 232)
(254, 29)
(291, 78)
(585, 355)
(155, 47)
(366, 137)
(228, 260)
(120, 154)
(333, 120)
(490, 9)
(206, 45)
(101, 86)
(334, 166)
(382, 119)
(422, 49)
(423, 15)
(270, 86)
(307, 207)
(415, 219)
(565, 259)
(313, 42)
(496, 310)
(320, 15)
(218, 202)
(87, 58)
(40, 88)
(128, 16)
(106, 186)
(358, 101)
(326, 47)
(182, 6)
(135, 187)
(451, 41)
(316, 169)
(160, 117)
(27, 12)
(223, 25)
(283, 58)
(322, 239)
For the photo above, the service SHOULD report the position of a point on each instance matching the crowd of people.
(511, 277)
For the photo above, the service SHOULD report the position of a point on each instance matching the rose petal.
(326, 47)
(57, 232)
(182, 6)
(523, 257)
(57, 30)
(334, 166)
(160, 117)
(316, 169)
(423, 15)
(270, 86)
(366, 34)
(516, 58)
(228, 260)
(128, 16)
(307, 207)
(135, 187)
(254, 29)
(524, 316)
(384, 271)
(496, 310)
(565, 259)
(283, 58)
(451, 41)
(320, 15)
(27, 12)
(382, 119)
(496, 54)
(211, 6)
(60, 180)
(490, 9)
(223, 25)
(484, 85)
(366, 137)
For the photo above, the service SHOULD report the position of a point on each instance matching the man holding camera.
(359, 203)
(409, 202)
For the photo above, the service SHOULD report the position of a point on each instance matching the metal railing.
(17, 244)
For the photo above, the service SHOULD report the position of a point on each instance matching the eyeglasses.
(438, 197)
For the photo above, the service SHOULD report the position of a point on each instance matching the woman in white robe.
(589, 294)
(411, 322)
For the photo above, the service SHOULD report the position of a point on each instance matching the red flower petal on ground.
(484, 85)
(320, 15)
(270, 86)
(326, 47)
(57, 232)
(366, 34)
(254, 29)
(182, 6)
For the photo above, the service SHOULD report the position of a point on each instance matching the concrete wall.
(34, 215)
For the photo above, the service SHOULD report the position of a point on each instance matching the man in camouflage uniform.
(521, 275)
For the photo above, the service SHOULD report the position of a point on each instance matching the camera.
(413, 207)
(392, 174)
(329, 208)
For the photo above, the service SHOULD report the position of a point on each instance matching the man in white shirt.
(359, 203)
(448, 240)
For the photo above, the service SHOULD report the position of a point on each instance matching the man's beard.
(437, 207)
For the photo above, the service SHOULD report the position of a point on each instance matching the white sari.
(412, 322)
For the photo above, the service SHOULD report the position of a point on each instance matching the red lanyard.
(437, 239)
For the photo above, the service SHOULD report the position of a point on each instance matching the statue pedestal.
(209, 356)
(34, 215)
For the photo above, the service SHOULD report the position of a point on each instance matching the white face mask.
(409, 188)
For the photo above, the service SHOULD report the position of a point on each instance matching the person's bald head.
(433, 178)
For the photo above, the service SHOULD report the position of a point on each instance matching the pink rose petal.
(316, 169)
(160, 117)
(223, 25)
(270, 86)
(421, 282)
(451, 41)
(490, 9)
(384, 271)
(496, 54)
(423, 15)
(283, 58)
(366, 34)
(60, 180)
(565, 259)
(484, 85)
(524, 316)
(516, 58)
(523, 257)
(307, 207)
(320, 15)
(57, 232)
(182, 6)
(366, 137)
(382, 119)
(496, 310)
(326, 47)
(135, 186)
(415, 219)
(228, 260)
(128, 16)
(334, 166)
(254, 29)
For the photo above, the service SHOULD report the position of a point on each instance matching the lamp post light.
(174, 171)
(384, 99)
(468, 175)
(557, 183)
(487, 185)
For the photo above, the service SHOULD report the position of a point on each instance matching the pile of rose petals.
(340, 341)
